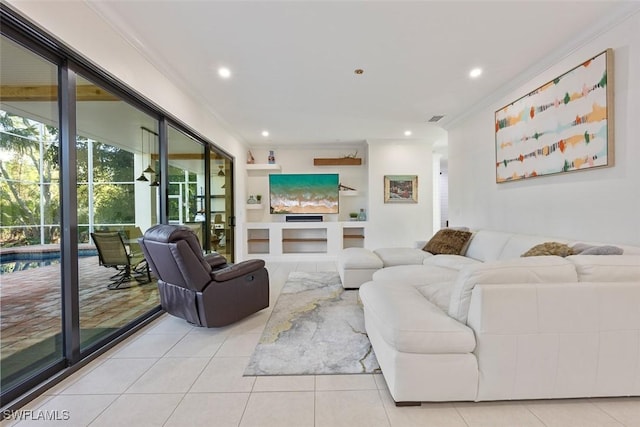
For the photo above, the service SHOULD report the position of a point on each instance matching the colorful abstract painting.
(565, 125)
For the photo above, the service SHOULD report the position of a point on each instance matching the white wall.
(399, 224)
(598, 204)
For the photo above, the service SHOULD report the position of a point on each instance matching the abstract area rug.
(316, 327)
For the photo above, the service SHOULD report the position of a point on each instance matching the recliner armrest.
(215, 260)
(237, 270)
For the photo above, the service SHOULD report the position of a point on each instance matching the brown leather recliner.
(203, 290)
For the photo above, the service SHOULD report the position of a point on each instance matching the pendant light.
(149, 169)
(156, 181)
(142, 178)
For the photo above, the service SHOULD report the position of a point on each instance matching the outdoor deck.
(30, 303)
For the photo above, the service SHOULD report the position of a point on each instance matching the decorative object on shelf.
(353, 216)
(401, 188)
(221, 171)
(252, 201)
(259, 198)
(250, 159)
(272, 158)
(564, 125)
(345, 188)
(362, 216)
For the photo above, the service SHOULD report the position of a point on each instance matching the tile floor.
(172, 374)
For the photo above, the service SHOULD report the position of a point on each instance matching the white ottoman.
(356, 266)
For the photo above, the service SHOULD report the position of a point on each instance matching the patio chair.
(113, 253)
(203, 290)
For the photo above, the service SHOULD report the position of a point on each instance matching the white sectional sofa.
(491, 325)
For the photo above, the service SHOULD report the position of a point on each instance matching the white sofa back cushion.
(487, 245)
(455, 262)
(401, 256)
(521, 243)
(544, 269)
(607, 268)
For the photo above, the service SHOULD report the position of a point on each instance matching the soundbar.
(304, 218)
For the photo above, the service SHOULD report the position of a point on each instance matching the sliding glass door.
(116, 168)
(205, 205)
(30, 271)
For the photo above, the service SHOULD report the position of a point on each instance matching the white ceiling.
(293, 62)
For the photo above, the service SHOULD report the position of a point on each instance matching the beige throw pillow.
(447, 241)
(549, 248)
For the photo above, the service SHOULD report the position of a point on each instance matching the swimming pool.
(20, 261)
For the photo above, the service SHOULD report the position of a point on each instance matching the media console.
(282, 239)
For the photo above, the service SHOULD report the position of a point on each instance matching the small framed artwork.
(401, 188)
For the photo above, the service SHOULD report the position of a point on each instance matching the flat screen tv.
(304, 193)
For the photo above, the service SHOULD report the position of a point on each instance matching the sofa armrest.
(556, 340)
(237, 270)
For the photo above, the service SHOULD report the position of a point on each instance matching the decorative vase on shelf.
(259, 198)
(272, 157)
(252, 201)
(362, 216)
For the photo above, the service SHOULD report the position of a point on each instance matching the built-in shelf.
(342, 161)
(349, 193)
(262, 167)
(276, 239)
(303, 239)
(255, 206)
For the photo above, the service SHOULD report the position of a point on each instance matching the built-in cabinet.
(277, 239)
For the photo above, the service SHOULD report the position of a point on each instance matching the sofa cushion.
(595, 268)
(401, 256)
(448, 241)
(520, 243)
(410, 323)
(587, 249)
(549, 248)
(415, 274)
(455, 262)
(437, 293)
(487, 245)
(520, 270)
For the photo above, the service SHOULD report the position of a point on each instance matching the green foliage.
(30, 179)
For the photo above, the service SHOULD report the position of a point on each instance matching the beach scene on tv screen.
(303, 193)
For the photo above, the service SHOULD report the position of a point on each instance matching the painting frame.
(565, 125)
(401, 188)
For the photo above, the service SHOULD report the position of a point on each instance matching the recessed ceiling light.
(265, 133)
(358, 71)
(475, 73)
(224, 72)
(407, 133)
